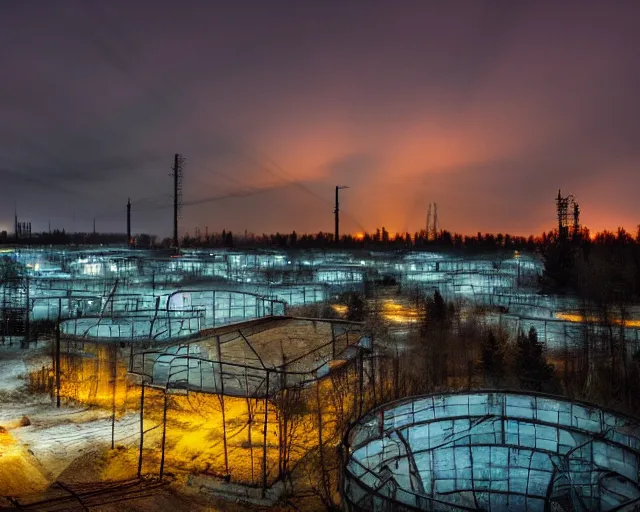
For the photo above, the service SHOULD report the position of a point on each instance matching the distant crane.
(337, 213)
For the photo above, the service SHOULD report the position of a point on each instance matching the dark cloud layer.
(486, 108)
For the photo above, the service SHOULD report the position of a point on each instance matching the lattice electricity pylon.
(567, 224)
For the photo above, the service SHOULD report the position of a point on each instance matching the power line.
(122, 35)
(302, 186)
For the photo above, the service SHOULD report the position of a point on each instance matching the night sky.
(486, 108)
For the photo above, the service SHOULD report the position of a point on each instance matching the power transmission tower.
(565, 226)
(576, 220)
(428, 222)
(562, 205)
(435, 221)
(178, 162)
(337, 213)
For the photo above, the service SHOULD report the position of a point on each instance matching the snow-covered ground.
(37, 451)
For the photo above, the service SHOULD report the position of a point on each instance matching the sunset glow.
(251, 251)
(464, 105)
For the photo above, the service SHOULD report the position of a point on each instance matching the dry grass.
(278, 344)
(194, 441)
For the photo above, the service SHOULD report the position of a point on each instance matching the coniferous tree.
(437, 309)
(356, 306)
(531, 365)
(492, 360)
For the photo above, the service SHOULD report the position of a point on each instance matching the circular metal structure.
(493, 451)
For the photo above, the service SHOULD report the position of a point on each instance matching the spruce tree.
(492, 360)
(531, 365)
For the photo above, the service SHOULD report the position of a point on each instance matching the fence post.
(113, 349)
(188, 366)
(26, 325)
(361, 379)
(221, 397)
(264, 442)
(141, 428)
(58, 363)
(164, 434)
(333, 341)
(244, 306)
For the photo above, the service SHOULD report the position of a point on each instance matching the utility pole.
(337, 213)
(178, 162)
(129, 222)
